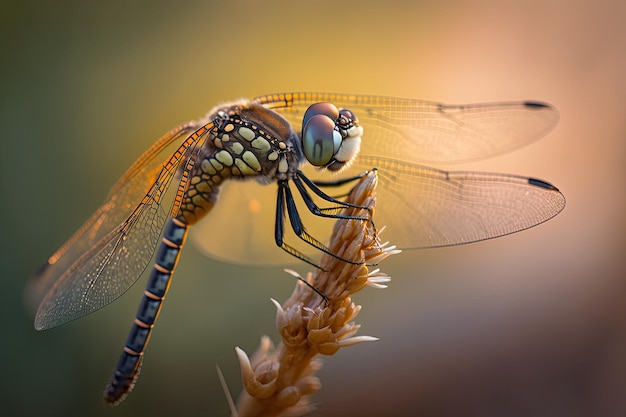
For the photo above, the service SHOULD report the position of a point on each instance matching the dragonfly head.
(331, 137)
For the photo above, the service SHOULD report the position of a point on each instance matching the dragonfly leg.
(302, 182)
(279, 227)
(342, 181)
(129, 364)
(278, 235)
(285, 200)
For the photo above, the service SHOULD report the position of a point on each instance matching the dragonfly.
(308, 146)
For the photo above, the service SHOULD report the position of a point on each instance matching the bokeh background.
(532, 324)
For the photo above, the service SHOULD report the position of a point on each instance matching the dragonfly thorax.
(247, 141)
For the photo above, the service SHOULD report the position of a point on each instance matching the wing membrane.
(109, 252)
(420, 131)
(426, 207)
(423, 207)
(248, 236)
(105, 272)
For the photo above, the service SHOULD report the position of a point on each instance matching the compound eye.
(320, 140)
(323, 109)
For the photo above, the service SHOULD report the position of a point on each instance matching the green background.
(531, 325)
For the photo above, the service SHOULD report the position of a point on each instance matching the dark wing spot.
(536, 105)
(542, 184)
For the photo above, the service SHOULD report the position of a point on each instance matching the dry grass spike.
(279, 381)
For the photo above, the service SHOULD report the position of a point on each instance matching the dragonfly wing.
(104, 241)
(104, 272)
(421, 131)
(423, 207)
(240, 228)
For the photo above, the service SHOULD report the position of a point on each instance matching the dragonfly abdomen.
(129, 364)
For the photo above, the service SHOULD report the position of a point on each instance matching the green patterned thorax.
(248, 141)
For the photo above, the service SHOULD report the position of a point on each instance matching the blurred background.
(532, 324)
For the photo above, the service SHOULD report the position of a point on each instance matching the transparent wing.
(423, 207)
(109, 252)
(420, 207)
(420, 131)
(240, 227)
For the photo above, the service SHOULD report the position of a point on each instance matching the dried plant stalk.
(279, 382)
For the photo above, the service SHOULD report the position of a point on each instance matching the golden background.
(532, 324)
